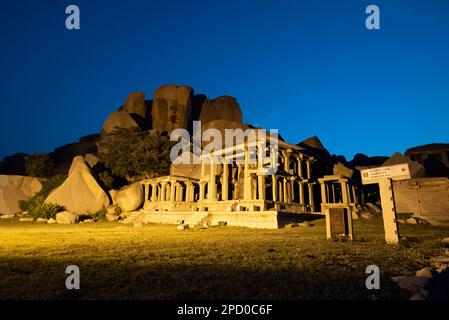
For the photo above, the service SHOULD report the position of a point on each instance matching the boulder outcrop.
(120, 119)
(417, 170)
(129, 198)
(171, 107)
(80, 192)
(135, 104)
(221, 108)
(16, 188)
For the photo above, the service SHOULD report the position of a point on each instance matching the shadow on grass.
(45, 279)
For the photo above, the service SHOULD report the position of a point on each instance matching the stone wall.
(424, 198)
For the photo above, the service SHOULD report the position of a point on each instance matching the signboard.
(395, 172)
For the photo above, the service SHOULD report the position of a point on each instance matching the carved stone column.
(153, 192)
(225, 182)
(261, 186)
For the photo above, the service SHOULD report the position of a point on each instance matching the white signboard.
(396, 172)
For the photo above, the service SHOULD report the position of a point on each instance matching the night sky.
(303, 67)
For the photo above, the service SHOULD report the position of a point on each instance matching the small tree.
(39, 165)
(131, 153)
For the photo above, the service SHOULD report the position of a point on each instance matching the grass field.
(159, 262)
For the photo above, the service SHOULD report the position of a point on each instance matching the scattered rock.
(340, 169)
(425, 273)
(41, 220)
(445, 240)
(402, 221)
(91, 159)
(291, 225)
(111, 217)
(355, 216)
(422, 295)
(87, 221)
(67, 217)
(412, 221)
(183, 227)
(113, 210)
(367, 215)
(410, 283)
(374, 208)
(7, 216)
(79, 193)
(130, 197)
(51, 221)
(26, 219)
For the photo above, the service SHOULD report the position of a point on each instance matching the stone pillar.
(202, 187)
(163, 195)
(284, 191)
(146, 190)
(247, 177)
(261, 186)
(281, 190)
(188, 191)
(344, 191)
(301, 193)
(212, 193)
(285, 155)
(274, 187)
(311, 201)
(300, 167)
(309, 170)
(225, 182)
(334, 199)
(323, 192)
(153, 192)
(181, 193)
(354, 195)
(172, 191)
(292, 189)
(203, 168)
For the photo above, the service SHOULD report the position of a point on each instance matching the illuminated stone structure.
(237, 188)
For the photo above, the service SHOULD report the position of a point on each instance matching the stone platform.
(258, 219)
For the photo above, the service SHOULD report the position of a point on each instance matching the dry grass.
(159, 262)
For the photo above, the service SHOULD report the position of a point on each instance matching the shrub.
(36, 207)
(100, 214)
(106, 179)
(131, 153)
(39, 165)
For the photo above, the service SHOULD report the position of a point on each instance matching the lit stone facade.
(237, 188)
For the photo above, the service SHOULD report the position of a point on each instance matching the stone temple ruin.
(237, 194)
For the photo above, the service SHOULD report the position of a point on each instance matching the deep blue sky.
(303, 67)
